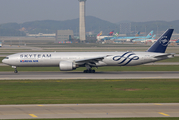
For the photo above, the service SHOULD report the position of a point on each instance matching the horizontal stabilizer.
(170, 55)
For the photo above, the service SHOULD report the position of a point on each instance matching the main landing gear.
(89, 71)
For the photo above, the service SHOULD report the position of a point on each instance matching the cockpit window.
(6, 58)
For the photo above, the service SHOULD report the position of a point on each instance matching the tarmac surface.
(127, 110)
(81, 75)
(89, 110)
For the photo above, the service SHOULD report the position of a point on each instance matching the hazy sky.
(111, 10)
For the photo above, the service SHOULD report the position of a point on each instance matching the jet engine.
(67, 66)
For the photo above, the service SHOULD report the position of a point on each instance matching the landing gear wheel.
(15, 71)
(89, 71)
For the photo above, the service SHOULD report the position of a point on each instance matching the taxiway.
(81, 75)
(89, 110)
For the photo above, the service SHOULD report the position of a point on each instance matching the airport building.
(64, 35)
(41, 35)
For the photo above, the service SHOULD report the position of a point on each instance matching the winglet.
(162, 43)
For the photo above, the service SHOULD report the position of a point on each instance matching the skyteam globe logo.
(126, 58)
(164, 41)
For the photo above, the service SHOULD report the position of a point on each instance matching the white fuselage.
(43, 59)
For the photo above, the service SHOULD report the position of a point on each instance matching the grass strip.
(88, 91)
(1, 58)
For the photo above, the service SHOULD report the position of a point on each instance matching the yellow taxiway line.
(33, 115)
(163, 114)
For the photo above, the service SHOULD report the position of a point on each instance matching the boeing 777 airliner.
(67, 61)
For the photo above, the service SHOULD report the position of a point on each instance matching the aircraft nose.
(3, 61)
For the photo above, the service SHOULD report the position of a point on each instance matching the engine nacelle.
(67, 66)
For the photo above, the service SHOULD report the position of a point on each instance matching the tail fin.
(100, 33)
(162, 42)
(150, 34)
(153, 37)
(117, 34)
(137, 34)
(177, 41)
(111, 33)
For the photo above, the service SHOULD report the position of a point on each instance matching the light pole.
(145, 30)
(157, 31)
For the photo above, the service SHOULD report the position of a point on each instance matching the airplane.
(149, 36)
(67, 61)
(144, 40)
(110, 35)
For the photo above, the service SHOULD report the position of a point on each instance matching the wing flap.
(90, 61)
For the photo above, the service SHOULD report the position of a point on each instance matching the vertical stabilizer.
(137, 34)
(161, 44)
(111, 33)
(154, 36)
(149, 36)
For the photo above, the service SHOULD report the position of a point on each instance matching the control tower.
(82, 29)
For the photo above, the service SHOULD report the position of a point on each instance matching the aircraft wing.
(90, 61)
(138, 39)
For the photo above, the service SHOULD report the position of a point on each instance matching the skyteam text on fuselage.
(67, 61)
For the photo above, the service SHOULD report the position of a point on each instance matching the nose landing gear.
(15, 71)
